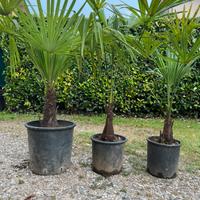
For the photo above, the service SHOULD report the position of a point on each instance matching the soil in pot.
(162, 159)
(107, 156)
(50, 148)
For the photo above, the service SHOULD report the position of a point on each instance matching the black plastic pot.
(107, 156)
(50, 148)
(162, 159)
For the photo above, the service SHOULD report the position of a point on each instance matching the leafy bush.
(138, 93)
(24, 89)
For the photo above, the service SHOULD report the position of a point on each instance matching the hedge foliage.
(137, 93)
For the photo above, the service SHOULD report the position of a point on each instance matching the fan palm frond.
(170, 69)
(149, 12)
(51, 39)
(8, 6)
(181, 37)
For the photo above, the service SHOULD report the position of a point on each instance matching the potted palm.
(108, 45)
(50, 39)
(163, 151)
(172, 67)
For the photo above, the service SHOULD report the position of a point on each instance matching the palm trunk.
(108, 132)
(50, 110)
(167, 135)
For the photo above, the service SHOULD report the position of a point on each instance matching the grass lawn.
(136, 130)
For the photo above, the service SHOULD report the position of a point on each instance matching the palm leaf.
(8, 6)
(170, 69)
(51, 39)
(181, 37)
(8, 25)
(157, 9)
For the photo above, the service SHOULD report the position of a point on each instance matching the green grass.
(187, 131)
(5, 116)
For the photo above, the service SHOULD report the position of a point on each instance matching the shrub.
(23, 89)
(138, 93)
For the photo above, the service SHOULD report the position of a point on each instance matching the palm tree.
(180, 53)
(50, 39)
(183, 50)
(103, 38)
(172, 71)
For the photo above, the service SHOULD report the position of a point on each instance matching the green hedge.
(137, 93)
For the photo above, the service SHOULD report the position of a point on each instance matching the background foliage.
(137, 92)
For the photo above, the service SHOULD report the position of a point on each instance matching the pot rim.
(178, 144)
(30, 125)
(124, 140)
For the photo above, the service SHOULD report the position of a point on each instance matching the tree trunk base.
(167, 135)
(109, 138)
(50, 110)
(108, 132)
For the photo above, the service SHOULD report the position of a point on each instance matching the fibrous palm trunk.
(108, 132)
(50, 109)
(167, 135)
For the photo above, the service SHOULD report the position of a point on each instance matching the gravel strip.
(79, 183)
